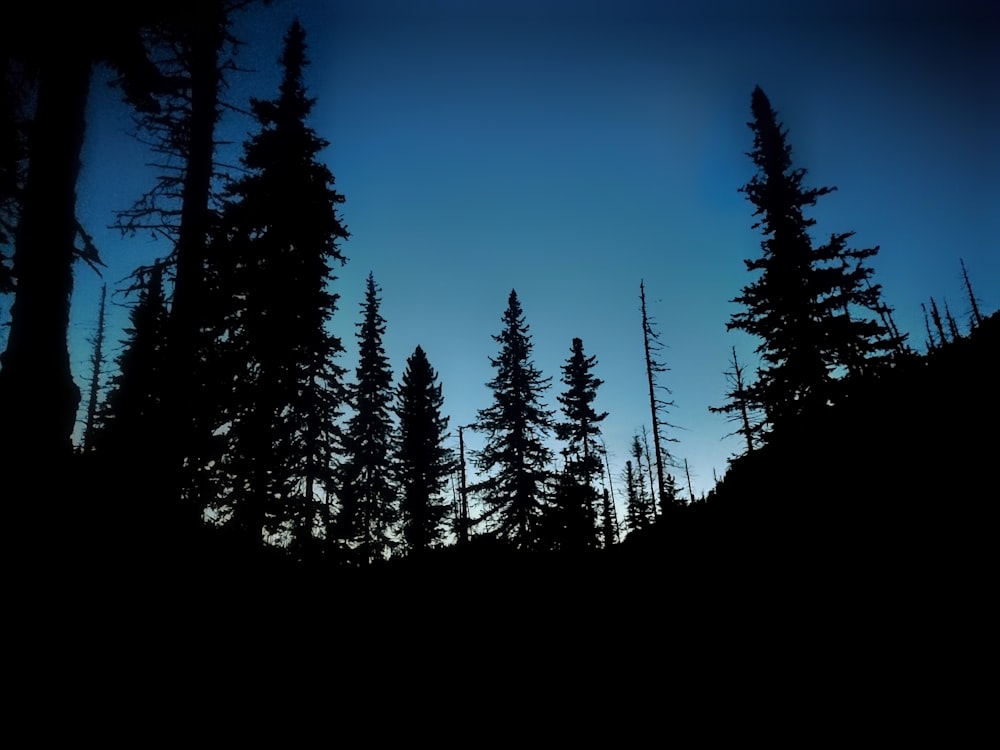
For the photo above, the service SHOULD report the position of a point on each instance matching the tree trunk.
(38, 398)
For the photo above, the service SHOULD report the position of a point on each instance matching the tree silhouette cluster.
(228, 408)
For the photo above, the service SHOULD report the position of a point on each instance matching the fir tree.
(275, 258)
(96, 373)
(809, 304)
(575, 512)
(515, 458)
(636, 511)
(367, 496)
(131, 421)
(422, 462)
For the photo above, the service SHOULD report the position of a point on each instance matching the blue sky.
(568, 150)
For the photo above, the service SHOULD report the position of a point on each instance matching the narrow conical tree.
(575, 514)
(636, 514)
(132, 417)
(422, 462)
(515, 459)
(367, 497)
(96, 374)
(274, 260)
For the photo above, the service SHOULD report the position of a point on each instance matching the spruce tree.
(367, 497)
(131, 420)
(96, 374)
(575, 513)
(274, 260)
(515, 459)
(422, 462)
(809, 305)
(636, 516)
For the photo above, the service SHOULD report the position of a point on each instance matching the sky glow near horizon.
(569, 154)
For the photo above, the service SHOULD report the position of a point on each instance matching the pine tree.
(575, 513)
(809, 304)
(515, 458)
(367, 497)
(131, 421)
(274, 259)
(636, 500)
(422, 462)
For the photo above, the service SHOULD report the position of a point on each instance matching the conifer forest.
(222, 442)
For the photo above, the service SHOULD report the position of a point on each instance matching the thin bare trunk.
(976, 317)
(647, 334)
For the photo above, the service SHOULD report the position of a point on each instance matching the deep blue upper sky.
(569, 149)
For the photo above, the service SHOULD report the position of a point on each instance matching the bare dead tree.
(657, 405)
(610, 508)
(931, 344)
(936, 317)
(976, 319)
(952, 325)
(687, 473)
(739, 406)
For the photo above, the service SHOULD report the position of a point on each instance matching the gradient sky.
(570, 149)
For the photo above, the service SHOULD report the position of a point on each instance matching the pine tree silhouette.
(274, 260)
(367, 498)
(422, 462)
(809, 303)
(516, 425)
(574, 517)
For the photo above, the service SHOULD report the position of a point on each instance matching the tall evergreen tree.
(422, 462)
(275, 257)
(96, 374)
(515, 458)
(131, 421)
(367, 497)
(635, 510)
(575, 512)
(809, 304)
(640, 510)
